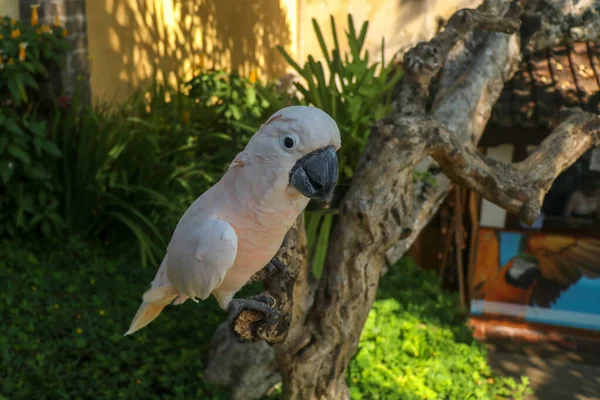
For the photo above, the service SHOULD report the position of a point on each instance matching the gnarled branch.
(519, 188)
(423, 62)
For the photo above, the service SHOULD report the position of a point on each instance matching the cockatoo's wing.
(563, 260)
(195, 264)
(200, 256)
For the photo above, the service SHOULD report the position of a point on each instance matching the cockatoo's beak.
(316, 174)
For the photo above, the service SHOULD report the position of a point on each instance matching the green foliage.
(415, 345)
(28, 199)
(356, 92)
(424, 176)
(64, 313)
(133, 171)
(353, 90)
(232, 103)
(26, 52)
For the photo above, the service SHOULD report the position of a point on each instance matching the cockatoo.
(234, 229)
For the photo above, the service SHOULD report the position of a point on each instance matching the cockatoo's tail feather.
(155, 300)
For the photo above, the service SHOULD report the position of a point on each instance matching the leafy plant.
(415, 345)
(64, 313)
(66, 308)
(131, 172)
(26, 53)
(354, 91)
(233, 104)
(28, 199)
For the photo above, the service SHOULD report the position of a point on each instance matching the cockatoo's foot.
(276, 265)
(263, 303)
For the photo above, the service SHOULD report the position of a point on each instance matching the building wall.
(130, 39)
(9, 8)
(123, 43)
(403, 23)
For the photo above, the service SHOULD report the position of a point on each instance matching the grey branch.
(519, 188)
(423, 62)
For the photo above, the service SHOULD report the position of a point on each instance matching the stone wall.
(71, 14)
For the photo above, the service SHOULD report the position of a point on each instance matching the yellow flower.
(56, 21)
(65, 33)
(22, 51)
(33, 288)
(46, 28)
(56, 306)
(253, 76)
(13, 21)
(92, 281)
(79, 330)
(15, 34)
(11, 61)
(34, 14)
(101, 312)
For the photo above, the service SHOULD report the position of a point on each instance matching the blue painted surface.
(581, 301)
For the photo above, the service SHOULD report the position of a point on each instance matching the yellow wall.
(9, 8)
(128, 38)
(403, 23)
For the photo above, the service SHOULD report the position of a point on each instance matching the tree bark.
(385, 210)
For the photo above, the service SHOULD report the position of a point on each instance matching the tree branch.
(423, 62)
(519, 188)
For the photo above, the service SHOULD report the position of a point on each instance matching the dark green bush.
(415, 345)
(28, 199)
(132, 171)
(356, 92)
(64, 312)
(351, 87)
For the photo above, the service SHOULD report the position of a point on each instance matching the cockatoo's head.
(302, 141)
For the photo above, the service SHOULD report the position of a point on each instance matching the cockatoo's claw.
(276, 265)
(262, 303)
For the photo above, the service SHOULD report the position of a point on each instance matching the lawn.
(65, 310)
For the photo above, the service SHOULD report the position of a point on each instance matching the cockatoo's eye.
(289, 142)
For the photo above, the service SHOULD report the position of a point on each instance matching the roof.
(565, 76)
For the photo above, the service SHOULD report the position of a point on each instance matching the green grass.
(64, 311)
(415, 345)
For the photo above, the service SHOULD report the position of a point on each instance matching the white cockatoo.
(235, 228)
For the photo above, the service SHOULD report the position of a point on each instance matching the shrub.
(27, 193)
(354, 91)
(64, 313)
(130, 172)
(232, 104)
(415, 345)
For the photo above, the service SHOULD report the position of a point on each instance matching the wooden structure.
(527, 111)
